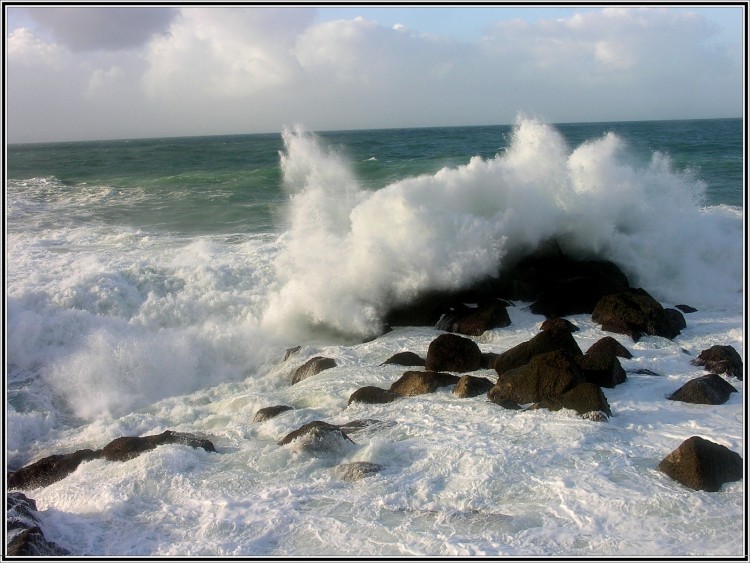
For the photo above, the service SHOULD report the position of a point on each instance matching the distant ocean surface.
(156, 284)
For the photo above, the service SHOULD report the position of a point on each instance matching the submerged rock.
(373, 395)
(408, 359)
(702, 465)
(311, 367)
(720, 359)
(267, 413)
(709, 389)
(317, 437)
(421, 382)
(450, 352)
(356, 470)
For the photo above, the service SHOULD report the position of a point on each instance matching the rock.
(409, 359)
(546, 375)
(356, 425)
(373, 395)
(128, 447)
(702, 465)
(644, 371)
(609, 346)
(425, 310)
(601, 369)
(720, 359)
(472, 386)
(686, 308)
(291, 352)
(635, 313)
(318, 437)
(311, 367)
(420, 382)
(559, 323)
(709, 389)
(25, 536)
(267, 413)
(450, 352)
(356, 470)
(546, 341)
(676, 320)
(587, 399)
(475, 321)
(55, 467)
(49, 469)
(487, 360)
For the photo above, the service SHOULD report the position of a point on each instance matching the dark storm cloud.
(105, 29)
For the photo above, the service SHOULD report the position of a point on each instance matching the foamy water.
(117, 331)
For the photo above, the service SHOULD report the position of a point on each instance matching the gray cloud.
(108, 29)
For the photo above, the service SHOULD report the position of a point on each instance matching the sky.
(116, 72)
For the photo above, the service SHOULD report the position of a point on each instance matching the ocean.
(156, 284)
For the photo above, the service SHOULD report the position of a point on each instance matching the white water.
(113, 332)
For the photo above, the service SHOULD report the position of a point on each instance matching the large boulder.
(587, 399)
(311, 367)
(720, 359)
(546, 375)
(128, 447)
(317, 437)
(450, 352)
(610, 347)
(25, 536)
(709, 389)
(702, 465)
(421, 382)
(601, 369)
(267, 413)
(474, 321)
(555, 338)
(558, 322)
(635, 313)
(408, 359)
(472, 386)
(373, 395)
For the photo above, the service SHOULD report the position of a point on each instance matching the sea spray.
(351, 254)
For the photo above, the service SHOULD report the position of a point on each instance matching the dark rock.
(579, 293)
(609, 346)
(31, 542)
(373, 395)
(409, 359)
(702, 465)
(546, 341)
(720, 359)
(487, 360)
(676, 320)
(471, 386)
(645, 371)
(311, 367)
(291, 352)
(49, 470)
(318, 437)
(425, 310)
(421, 382)
(601, 369)
(686, 308)
(356, 425)
(635, 313)
(475, 321)
(505, 403)
(356, 470)
(710, 389)
(267, 413)
(559, 323)
(546, 375)
(450, 352)
(587, 399)
(128, 447)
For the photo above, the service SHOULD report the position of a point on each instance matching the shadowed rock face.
(720, 359)
(709, 389)
(472, 386)
(702, 465)
(450, 352)
(586, 399)
(611, 347)
(475, 321)
(635, 313)
(555, 338)
(25, 537)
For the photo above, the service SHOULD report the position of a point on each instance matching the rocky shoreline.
(548, 371)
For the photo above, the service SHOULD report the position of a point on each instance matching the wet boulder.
(635, 313)
(317, 437)
(709, 389)
(702, 465)
(579, 292)
(311, 367)
(408, 359)
(49, 469)
(720, 359)
(474, 321)
(128, 447)
(676, 320)
(686, 308)
(373, 395)
(25, 536)
(555, 338)
(558, 323)
(267, 413)
(546, 375)
(356, 470)
(601, 369)
(421, 382)
(450, 352)
(472, 386)
(609, 346)
(587, 399)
